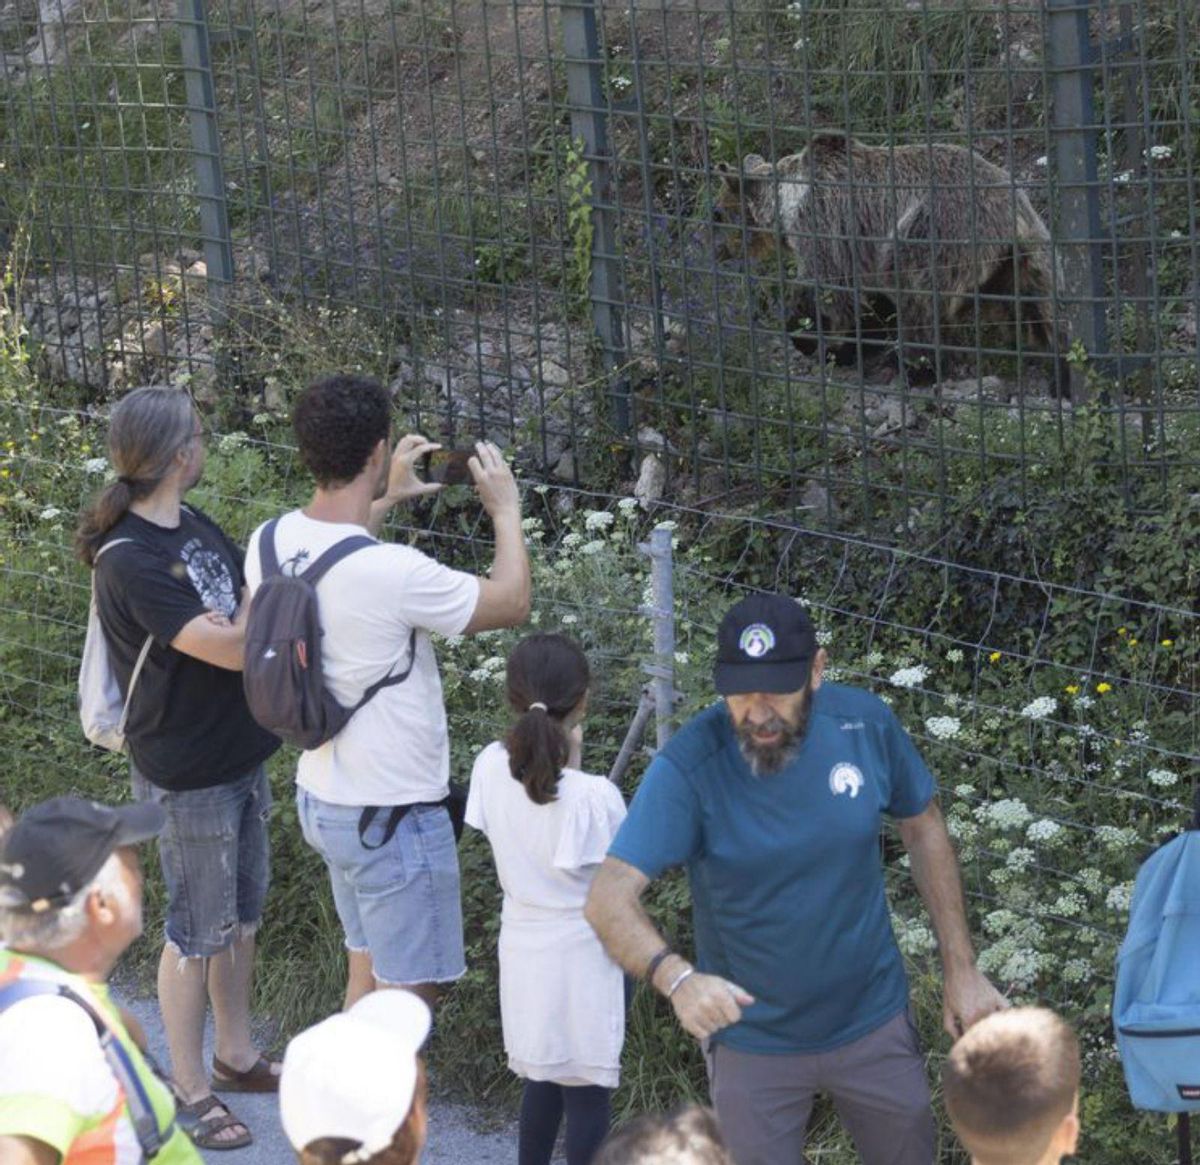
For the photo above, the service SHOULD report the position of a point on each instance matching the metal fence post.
(206, 154)
(1075, 142)
(589, 122)
(661, 668)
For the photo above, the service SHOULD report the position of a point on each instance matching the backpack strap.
(268, 560)
(141, 1110)
(313, 575)
(145, 651)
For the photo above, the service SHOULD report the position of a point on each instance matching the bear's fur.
(908, 248)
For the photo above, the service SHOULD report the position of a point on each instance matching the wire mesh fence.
(827, 257)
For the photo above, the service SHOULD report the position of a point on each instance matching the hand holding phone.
(448, 466)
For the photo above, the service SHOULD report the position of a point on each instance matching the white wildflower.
(1117, 838)
(962, 830)
(628, 506)
(598, 520)
(964, 790)
(912, 937)
(1091, 879)
(824, 637)
(96, 465)
(1084, 702)
(530, 524)
(681, 657)
(1000, 921)
(1163, 778)
(49, 513)
(1123, 177)
(909, 677)
(943, 727)
(593, 547)
(1119, 897)
(570, 540)
(570, 620)
(873, 660)
(954, 655)
(1077, 970)
(1044, 830)
(1159, 153)
(1020, 859)
(229, 442)
(1009, 813)
(1042, 161)
(1040, 708)
(1068, 905)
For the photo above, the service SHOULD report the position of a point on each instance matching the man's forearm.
(625, 929)
(936, 874)
(510, 568)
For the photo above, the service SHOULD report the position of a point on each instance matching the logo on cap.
(757, 640)
(845, 778)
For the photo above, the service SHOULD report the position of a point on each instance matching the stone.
(564, 470)
(652, 481)
(816, 499)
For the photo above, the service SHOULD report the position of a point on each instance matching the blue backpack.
(1156, 1003)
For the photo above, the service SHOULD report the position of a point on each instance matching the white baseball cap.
(353, 1075)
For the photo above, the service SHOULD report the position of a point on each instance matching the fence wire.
(559, 225)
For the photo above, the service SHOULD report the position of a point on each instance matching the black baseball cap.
(57, 847)
(766, 643)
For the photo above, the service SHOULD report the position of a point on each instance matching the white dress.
(562, 999)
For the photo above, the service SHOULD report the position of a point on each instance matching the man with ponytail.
(166, 571)
(372, 799)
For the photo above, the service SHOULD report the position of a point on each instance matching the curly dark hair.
(338, 420)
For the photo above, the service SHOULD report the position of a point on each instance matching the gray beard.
(771, 759)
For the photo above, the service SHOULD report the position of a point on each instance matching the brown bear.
(902, 249)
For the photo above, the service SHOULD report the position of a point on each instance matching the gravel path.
(455, 1135)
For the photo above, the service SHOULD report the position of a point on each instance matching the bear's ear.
(753, 162)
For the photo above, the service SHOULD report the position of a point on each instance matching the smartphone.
(449, 466)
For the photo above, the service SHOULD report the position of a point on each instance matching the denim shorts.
(215, 859)
(399, 902)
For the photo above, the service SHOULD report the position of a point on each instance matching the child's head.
(353, 1086)
(548, 680)
(1012, 1086)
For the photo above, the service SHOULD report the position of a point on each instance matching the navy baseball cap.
(766, 643)
(56, 848)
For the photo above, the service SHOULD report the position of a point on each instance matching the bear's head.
(758, 205)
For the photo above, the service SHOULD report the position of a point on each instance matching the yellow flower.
(1072, 689)
(1132, 642)
(1122, 631)
(994, 657)
(1168, 643)
(1102, 688)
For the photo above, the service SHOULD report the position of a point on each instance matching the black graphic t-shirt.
(188, 726)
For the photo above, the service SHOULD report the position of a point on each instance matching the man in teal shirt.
(774, 800)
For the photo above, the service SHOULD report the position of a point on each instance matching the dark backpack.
(282, 674)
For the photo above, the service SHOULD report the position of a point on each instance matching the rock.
(564, 470)
(816, 499)
(651, 439)
(554, 374)
(274, 397)
(154, 340)
(651, 482)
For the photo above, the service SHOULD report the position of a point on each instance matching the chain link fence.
(595, 228)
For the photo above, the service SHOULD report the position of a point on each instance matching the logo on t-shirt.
(757, 640)
(210, 576)
(845, 778)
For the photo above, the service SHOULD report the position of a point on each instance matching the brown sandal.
(206, 1134)
(257, 1078)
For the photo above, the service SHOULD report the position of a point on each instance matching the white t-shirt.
(395, 749)
(546, 855)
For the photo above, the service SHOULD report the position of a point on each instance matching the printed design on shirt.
(210, 576)
(757, 640)
(845, 778)
(295, 565)
(853, 725)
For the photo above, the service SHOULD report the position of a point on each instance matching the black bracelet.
(656, 962)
